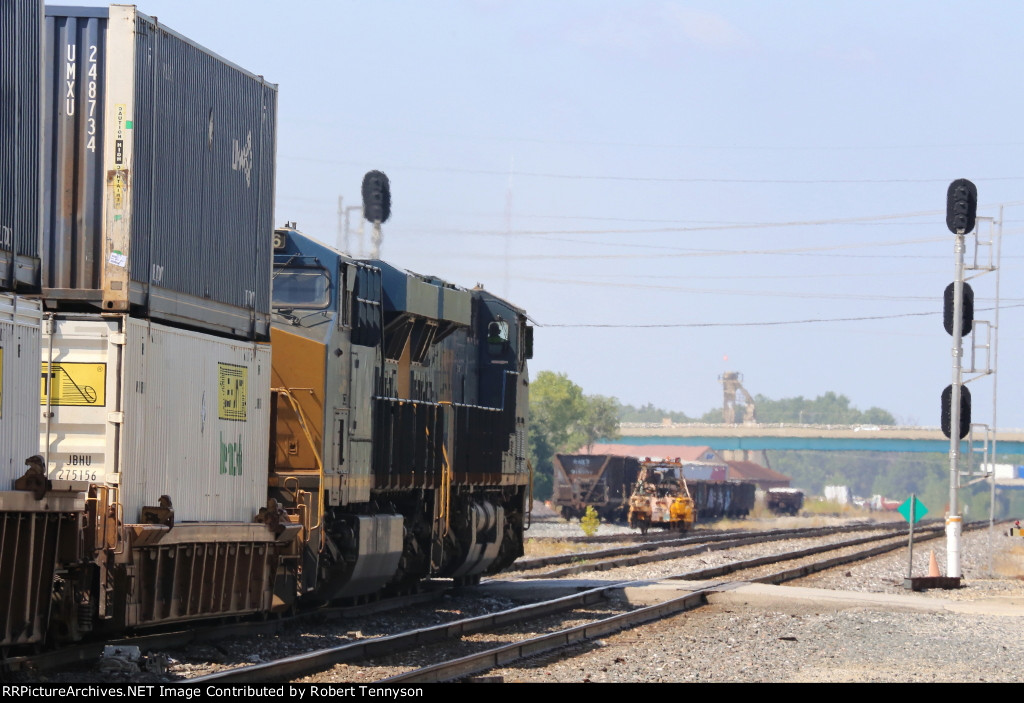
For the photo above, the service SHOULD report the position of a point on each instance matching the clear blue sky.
(669, 176)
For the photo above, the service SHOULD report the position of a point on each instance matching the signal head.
(961, 206)
(376, 197)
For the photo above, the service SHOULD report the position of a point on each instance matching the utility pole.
(341, 238)
(508, 226)
(998, 233)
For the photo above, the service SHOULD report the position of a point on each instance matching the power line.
(754, 324)
(713, 291)
(875, 219)
(657, 179)
(718, 291)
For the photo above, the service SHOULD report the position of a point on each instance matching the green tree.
(562, 420)
(600, 420)
(649, 413)
(828, 409)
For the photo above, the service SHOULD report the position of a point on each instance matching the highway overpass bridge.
(776, 436)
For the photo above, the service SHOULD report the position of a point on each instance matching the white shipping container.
(19, 363)
(1002, 471)
(155, 410)
(838, 494)
(1005, 474)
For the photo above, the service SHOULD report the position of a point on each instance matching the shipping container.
(159, 180)
(155, 410)
(21, 23)
(19, 403)
(704, 471)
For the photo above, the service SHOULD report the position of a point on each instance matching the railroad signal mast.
(376, 205)
(958, 320)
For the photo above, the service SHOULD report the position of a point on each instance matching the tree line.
(563, 419)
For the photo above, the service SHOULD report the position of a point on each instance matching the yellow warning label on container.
(74, 384)
(117, 188)
(232, 391)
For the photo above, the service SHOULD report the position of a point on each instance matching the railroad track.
(474, 645)
(649, 548)
(181, 638)
(631, 555)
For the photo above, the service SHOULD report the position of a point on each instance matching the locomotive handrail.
(301, 415)
(446, 491)
(295, 491)
(529, 513)
(446, 475)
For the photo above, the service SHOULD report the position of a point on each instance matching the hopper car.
(784, 501)
(607, 482)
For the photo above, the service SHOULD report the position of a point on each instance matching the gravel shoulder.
(828, 640)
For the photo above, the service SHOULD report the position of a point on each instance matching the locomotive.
(401, 405)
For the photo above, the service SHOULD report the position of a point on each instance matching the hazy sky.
(669, 189)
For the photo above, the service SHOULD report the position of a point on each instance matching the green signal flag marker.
(919, 509)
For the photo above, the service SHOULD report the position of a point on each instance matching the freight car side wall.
(20, 320)
(157, 410)
(20, 106)
(716, 499)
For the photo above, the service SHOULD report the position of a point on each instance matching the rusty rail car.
(606, 482)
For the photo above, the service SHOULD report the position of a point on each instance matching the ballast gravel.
(784, 641)
(797, 641)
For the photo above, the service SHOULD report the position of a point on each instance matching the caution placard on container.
(74, 384)
(232, 391)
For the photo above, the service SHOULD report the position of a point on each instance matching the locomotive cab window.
(307, 287)
(497, 336)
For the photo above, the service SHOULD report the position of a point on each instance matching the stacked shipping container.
(20, 85)
(159, 176)
(158, 410)
(20, 92)
(19, 391)
(34, 528)
(156, 238)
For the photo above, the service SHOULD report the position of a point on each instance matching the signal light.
(961, 206)
(967, 309)
(376, 197)
(965, 410)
